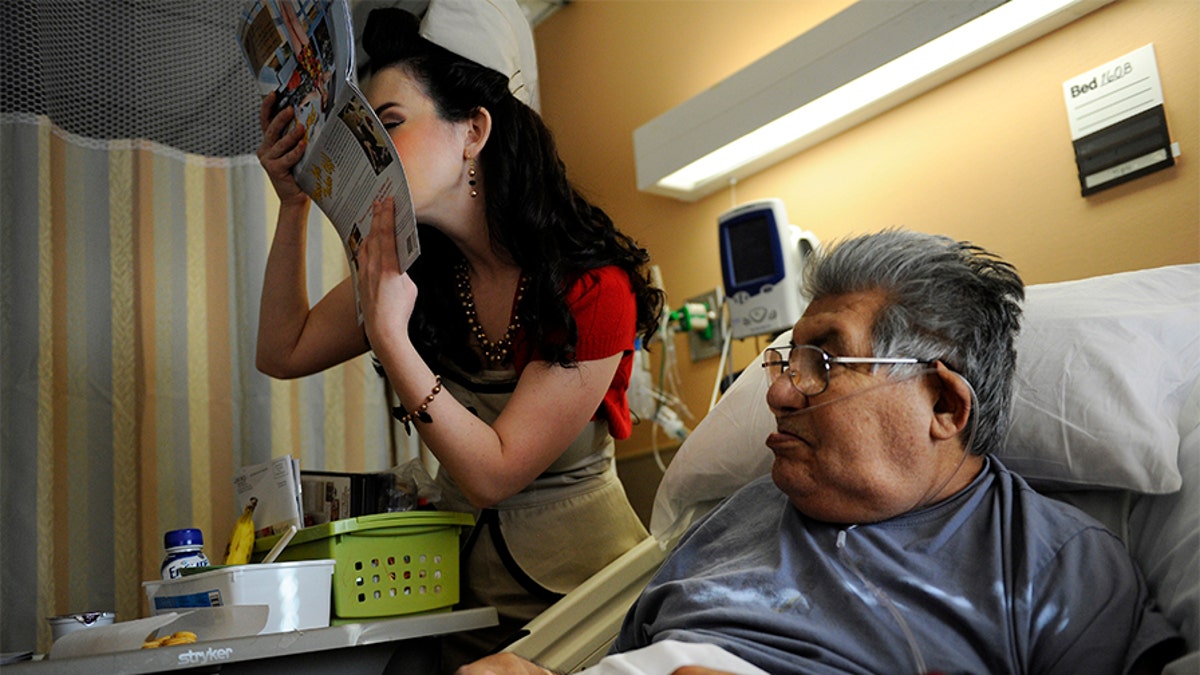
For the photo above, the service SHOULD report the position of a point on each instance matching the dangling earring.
(471, 177)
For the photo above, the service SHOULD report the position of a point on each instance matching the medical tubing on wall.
(723, 317)
(666, 402)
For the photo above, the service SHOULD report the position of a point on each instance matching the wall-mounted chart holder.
(1118, 123)
(1129, 149)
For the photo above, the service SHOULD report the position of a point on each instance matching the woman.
(513, 358)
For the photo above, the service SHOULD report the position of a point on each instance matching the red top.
(602, 303)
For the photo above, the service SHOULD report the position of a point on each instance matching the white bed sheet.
(666, 656)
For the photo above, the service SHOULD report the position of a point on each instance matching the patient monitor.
(762, 257)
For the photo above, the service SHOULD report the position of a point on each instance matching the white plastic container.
(297, 593)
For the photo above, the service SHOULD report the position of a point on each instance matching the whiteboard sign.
(1113, 92)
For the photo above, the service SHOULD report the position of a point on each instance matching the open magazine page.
(296, 48)
(351, 165)
(304, 49)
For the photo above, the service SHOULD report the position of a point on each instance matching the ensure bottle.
(185, 548)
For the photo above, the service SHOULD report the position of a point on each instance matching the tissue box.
(296, 593)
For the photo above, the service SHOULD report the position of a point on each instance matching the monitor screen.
(752, 249)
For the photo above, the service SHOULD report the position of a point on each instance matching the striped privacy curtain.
(134, 226)
(131, 275)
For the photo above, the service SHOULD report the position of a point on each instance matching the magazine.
(276, 486)
(304, 50)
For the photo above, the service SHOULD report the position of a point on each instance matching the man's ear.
(478, 129)
(952, 406)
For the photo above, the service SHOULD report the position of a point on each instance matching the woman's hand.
(281, 149)
(386, 295)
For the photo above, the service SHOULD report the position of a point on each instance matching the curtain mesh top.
(168, 71)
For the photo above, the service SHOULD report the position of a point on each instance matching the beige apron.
(561, 529)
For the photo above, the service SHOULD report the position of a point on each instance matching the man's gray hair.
(946, 300)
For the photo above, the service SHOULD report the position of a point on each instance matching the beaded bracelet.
(421, 413)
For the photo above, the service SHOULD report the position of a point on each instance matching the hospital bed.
(1106, 416)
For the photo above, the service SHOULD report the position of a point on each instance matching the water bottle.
(185, 548)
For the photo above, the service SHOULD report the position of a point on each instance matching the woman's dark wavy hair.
(551, 231)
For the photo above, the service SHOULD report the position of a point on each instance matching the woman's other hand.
(386, 295)
(281, 149)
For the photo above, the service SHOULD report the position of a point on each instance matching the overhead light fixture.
(867, 59)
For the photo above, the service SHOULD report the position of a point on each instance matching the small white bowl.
(69, 623)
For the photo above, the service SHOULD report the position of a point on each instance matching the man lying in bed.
(887, 537)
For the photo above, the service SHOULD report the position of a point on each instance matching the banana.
(181, 637)
(241, 542)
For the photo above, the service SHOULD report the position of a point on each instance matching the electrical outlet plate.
(700, 347)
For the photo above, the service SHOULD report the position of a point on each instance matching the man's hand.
(503, 663)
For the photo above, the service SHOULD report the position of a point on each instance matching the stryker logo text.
(193, 657)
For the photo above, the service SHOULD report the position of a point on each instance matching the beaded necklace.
(495, 353)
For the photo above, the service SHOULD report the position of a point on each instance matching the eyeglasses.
(808, 366)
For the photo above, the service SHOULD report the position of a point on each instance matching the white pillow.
(1103, 368)
(1165, 535)
(726, 450)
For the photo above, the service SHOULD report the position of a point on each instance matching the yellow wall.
(986, 157)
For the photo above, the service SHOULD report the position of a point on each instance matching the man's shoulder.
(1040, 511)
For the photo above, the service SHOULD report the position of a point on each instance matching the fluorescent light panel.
(979, 39)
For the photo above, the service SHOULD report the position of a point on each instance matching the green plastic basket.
(386, 564)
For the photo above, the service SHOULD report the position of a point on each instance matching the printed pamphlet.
(276, 485)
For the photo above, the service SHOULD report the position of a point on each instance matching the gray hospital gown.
(997, 579)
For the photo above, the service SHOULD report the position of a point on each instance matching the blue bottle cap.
(187, 537)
